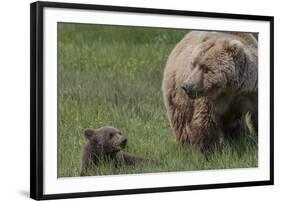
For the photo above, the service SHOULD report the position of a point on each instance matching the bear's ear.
(235, 47)
(89, 133)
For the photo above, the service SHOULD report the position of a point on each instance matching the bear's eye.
(111, 135)
(204, 68)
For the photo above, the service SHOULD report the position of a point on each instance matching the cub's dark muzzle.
(123, 143)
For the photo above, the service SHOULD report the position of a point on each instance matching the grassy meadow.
(111, 75)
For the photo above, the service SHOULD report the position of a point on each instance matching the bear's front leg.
(234, 126)
(118, 158)
(255, 121)
(204, 129)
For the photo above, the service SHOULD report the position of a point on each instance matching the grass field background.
(111, 75)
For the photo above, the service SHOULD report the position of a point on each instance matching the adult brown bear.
(210, 82)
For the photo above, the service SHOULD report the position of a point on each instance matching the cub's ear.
(235, 47)
(89, 133)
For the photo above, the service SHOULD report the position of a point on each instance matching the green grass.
(111, 75)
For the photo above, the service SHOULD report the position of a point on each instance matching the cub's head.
(106, 139)
(214, 67)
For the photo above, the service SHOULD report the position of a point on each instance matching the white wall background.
(14, 100)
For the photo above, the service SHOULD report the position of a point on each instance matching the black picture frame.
(37, 101)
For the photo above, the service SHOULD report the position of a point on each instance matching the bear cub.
(105, 144)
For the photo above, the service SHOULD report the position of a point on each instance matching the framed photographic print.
(134, 100)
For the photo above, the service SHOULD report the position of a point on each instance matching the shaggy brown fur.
(105, 144)
(210, 82)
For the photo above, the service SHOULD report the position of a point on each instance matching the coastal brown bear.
(105, 144)
(210, 82)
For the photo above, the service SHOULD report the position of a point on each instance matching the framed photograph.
(135, 100)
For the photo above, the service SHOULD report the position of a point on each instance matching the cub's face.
(107, 139)
(213, 68)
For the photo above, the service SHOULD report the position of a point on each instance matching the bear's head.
(105, 140)
(215, 66)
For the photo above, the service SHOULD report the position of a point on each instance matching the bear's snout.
(191, 91)
(123, 143)
(187, 88)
